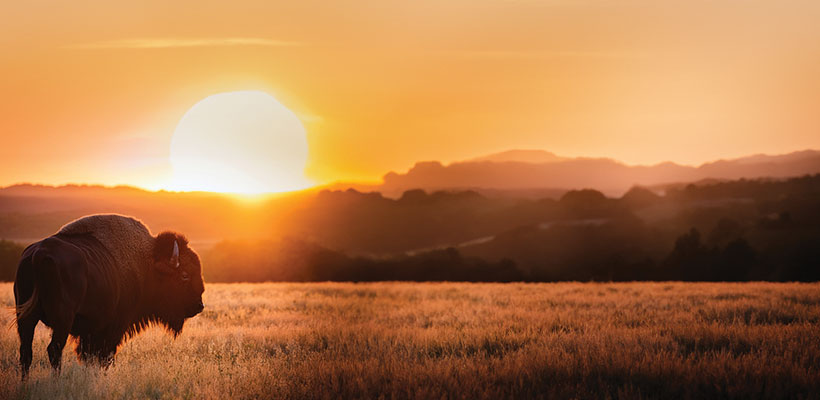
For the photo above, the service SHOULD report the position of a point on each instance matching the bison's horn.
(175, 255)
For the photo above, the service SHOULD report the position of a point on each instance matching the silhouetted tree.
(725, 231)
(10, 253)
(690, 260)
(736, 261)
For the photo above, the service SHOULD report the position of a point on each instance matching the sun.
(239, 142)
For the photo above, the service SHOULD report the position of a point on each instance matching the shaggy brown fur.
(103, 278)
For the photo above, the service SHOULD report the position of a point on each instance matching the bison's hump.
(126, 240)
(105, 223)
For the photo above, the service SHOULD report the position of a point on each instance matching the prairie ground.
(457, 340)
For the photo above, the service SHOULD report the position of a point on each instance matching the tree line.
(712, 231)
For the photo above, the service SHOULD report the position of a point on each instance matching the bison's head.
(177, 281)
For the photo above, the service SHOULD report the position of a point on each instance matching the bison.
(102, 279)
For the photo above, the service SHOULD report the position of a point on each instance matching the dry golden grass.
(455, 340)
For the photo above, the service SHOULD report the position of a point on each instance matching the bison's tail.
(25, 310)
(38, 260)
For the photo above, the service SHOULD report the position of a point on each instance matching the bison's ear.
(166, 252)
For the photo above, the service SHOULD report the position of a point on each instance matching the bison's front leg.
(97, 349)
(84, 349)
(105, 356)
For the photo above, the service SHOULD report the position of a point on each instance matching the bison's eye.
(185, 276)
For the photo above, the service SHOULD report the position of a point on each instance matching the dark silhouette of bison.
(102, 279)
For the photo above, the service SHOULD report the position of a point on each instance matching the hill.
(528, 170)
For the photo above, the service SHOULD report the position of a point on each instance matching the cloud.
(548, 54)
(166, 43)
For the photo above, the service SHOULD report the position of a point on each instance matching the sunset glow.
(94, 92)
(239, 142)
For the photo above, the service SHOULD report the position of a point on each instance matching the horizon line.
(380, 181)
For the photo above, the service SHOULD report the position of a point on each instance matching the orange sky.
(92, 92)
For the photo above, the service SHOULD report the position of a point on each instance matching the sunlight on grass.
(437, 340)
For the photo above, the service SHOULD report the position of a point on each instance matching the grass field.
(454, 340)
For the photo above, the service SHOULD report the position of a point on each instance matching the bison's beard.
(174, 325)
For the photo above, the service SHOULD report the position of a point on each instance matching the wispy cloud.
(165, 43)
(548, 54)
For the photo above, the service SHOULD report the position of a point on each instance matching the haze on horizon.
(92, 92)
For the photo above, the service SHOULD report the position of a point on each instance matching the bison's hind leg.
(28, 311)
(61, 289)
(55, 348)
(61, 321)
(25, 329)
